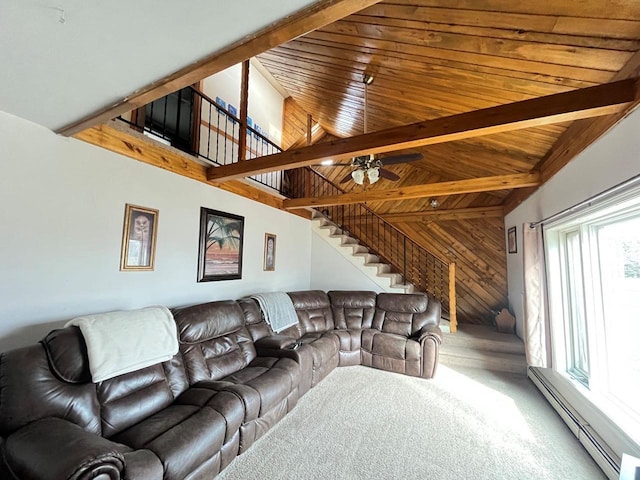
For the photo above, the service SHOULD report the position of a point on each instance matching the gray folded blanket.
(278, 310)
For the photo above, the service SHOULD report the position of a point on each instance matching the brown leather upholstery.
(189, 417)
(352, 312)
(219, 354)
(140, 415)
(396, 342)
(316, 329)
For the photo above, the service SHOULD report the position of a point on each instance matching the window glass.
(619, 254)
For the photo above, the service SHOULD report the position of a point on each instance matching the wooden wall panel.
(477, 247)
(294, 122)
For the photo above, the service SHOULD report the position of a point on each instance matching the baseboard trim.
(602, 454)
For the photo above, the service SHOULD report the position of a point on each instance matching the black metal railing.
(418, 266)
(194, 123)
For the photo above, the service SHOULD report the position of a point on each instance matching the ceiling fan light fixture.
(434, 203)
(358, 176)
(367, 79)
(373, 174)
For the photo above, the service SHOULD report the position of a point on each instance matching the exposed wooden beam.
(575, 139)
(444, 215)
(502, 182)
(561, 107)
(139, 148)
(309, 125)
(244, 109)
(304, 21)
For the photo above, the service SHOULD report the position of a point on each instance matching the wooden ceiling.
(436, 58)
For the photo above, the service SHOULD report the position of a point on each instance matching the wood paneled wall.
(478, 248)
(294, 122)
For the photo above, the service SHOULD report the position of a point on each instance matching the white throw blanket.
(278, 310)
(124, 341)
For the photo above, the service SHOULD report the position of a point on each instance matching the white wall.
(607, 162)
(61, 217)
(265, 102)
(332, 271)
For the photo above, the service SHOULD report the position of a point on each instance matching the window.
(593, 265)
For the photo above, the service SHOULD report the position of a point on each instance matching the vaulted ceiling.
(437, 58)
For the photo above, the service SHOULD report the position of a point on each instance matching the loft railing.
(424, 270)
(194, 123)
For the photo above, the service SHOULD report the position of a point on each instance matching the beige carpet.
(362, 423)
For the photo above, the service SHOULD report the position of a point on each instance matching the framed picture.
(512, 242)
(138, 238)
(269, 252)
(220, 251)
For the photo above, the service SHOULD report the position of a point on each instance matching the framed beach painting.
(138, 238)
(220, 250)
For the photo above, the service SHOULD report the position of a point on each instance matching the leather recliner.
(147, 424)
(219, 355)
(189, 417)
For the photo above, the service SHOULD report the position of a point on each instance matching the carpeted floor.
(362, 423)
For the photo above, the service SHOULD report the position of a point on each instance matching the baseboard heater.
(606, 459)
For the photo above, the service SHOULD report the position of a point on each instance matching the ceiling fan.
(371, 167)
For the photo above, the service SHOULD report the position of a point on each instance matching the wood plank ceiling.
(434, 58)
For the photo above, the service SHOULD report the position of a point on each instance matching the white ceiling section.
(62, 60)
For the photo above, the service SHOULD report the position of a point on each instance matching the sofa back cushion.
(404, 314)
(352, 309)
(213, 340)
(254, 320)
(50, 379)
(314, 311)
(127, 399)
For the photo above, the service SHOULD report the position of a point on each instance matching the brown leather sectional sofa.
(189, 417)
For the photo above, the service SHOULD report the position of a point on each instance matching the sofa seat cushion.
(261, 385)
(391, 352)
(325, 349)
(272, 379)
(184, 437)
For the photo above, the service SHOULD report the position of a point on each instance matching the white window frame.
(587, 222)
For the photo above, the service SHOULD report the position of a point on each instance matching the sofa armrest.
(274, 342)
(430, 332)
(56, 448)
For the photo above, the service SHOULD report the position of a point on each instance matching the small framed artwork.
(512, 241)
(220, 250)
(138, 238)
(269, 252)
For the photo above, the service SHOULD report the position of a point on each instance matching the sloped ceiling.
(66, 59)
(435, 58)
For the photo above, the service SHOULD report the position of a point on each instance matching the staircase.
(370, 265)
(348, 228)
(481, 346)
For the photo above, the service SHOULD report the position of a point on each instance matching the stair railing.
(417, 266)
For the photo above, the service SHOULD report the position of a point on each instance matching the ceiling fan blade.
(346, 178)
(388, 174)
(332, 165)
(406, 157)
